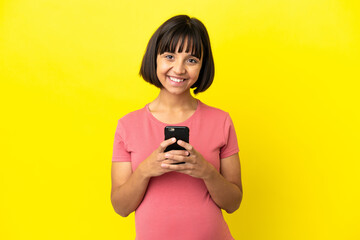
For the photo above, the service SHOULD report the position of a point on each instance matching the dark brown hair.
(166, 38)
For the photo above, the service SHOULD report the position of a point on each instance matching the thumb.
(166, 143)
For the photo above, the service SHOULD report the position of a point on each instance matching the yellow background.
(287, 71)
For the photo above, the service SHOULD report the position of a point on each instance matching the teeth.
(176, 79)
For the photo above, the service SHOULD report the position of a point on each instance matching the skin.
(175, 104)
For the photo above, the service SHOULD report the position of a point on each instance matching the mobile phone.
(180, 133)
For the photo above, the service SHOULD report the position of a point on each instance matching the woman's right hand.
(151, 166)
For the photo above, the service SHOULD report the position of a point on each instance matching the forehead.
(181, 43)
(184, 47)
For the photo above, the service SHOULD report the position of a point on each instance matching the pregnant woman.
(177, 201)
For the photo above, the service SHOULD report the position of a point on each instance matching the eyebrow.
(189, 54)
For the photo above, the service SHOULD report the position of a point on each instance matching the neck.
(171, 102)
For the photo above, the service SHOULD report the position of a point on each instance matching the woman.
(177, 201)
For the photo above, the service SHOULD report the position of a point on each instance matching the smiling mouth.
(176, 79)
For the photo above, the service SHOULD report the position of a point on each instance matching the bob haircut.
(166, 38)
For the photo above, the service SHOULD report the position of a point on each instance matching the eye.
(193, 60)
(168, 56)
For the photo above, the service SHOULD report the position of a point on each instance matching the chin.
(177, 91)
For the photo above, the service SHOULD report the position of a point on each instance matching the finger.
(186, 145)
(166, 143)
(169, 161)
(162, 156)
(175, 167)
(179, 152)
(177, 158)
(170, 155)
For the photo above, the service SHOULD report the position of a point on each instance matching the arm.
(225, 188)
(128, 187)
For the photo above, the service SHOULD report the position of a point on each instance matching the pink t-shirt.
(177, 206)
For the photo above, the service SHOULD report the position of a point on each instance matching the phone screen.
(180, 133)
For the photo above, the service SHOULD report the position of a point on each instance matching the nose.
(179, 67)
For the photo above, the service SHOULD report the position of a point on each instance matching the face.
(178, 71)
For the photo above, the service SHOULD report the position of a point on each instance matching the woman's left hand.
(195, 165)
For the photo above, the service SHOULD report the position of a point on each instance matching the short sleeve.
(231, 145)
(120, 152)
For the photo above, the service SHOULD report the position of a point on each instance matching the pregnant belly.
(177, 206)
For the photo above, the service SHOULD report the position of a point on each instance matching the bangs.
(184, 36)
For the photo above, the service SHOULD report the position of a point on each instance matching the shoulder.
(130, 122)
(133, 116)
(213, 112)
